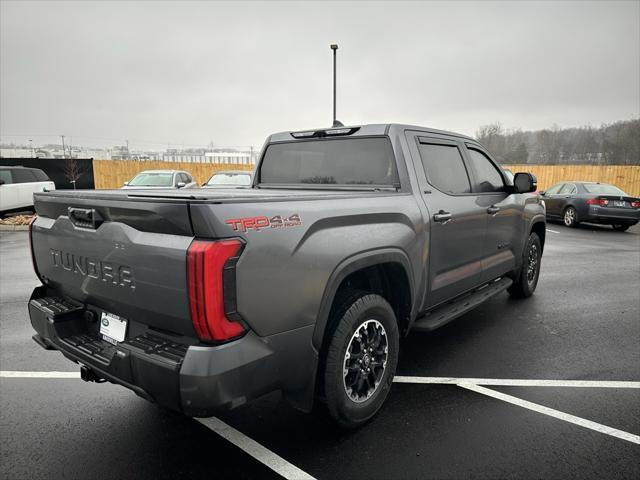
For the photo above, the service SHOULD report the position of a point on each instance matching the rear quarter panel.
(283, 272)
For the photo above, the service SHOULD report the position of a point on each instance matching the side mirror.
(524, 182)
(180, 184)
(125, 183)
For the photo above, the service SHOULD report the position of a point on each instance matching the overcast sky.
(231, 73)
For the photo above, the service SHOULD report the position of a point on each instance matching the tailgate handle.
(85, 217)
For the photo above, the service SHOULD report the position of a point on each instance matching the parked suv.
(17, 186)
(349, 238)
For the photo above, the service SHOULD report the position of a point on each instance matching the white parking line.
(16, 374)
(552, 231)
(598, 427)
(508, 382)
(290, 471)
(253, 448)
(239, 439)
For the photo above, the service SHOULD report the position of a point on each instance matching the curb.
(13, 228)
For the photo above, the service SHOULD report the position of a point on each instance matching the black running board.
(450, 311)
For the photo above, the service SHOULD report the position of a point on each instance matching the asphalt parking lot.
(505, 400)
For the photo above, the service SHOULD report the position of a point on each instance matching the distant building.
(221, 157)
(217, 156)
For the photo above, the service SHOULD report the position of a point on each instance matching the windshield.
(152, 179)
(603, 189)
(352, 161)
(237, 179)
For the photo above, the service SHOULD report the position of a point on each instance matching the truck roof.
(367, 130)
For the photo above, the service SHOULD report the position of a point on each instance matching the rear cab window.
(330, 162)
(443, 166)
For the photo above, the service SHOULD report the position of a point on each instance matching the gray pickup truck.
(348, 238)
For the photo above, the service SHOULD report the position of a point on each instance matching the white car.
(161, 179)
(17, 186)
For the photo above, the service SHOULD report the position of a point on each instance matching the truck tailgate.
(125, 257)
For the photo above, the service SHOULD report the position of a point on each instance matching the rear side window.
(488, 179)
(40, 175)
(353, 161)
(445, 168)
(23, 175)
(5, 175)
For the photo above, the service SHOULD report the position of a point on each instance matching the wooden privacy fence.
(113, 173)
(626, 177)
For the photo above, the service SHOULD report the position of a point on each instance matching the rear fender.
(352, 264)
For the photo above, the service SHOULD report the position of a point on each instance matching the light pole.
(33, 154)
(334, 47)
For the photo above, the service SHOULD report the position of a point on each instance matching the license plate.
(112, 328)
(619, 204)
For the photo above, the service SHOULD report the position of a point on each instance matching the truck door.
(456, 222)
(504, 214)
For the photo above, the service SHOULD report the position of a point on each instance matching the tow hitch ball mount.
(89, 375)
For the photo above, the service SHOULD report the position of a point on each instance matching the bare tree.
(73, 171)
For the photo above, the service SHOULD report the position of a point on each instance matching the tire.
(621, 228)
(360, 318)
(526, 280)
(570, 217)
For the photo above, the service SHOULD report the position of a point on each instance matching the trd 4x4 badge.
(258, 223)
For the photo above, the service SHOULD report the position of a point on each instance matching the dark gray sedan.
(591, 202)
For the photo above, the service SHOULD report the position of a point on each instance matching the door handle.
(492, 210)
(442, 217)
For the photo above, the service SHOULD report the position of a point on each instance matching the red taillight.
(603, 202)
(205, 268)
(635, 204)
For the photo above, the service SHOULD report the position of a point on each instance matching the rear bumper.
(193, 379)
(611, 216)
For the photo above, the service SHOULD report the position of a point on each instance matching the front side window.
(555, 189)
(488, 178)
(353, 161)
(445, 168)
(152, 179)
(568, 189)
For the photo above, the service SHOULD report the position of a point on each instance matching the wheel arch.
(389, 261)
(540, 228)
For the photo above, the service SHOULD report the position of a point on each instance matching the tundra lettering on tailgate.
(258, 223)
(109, 272)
